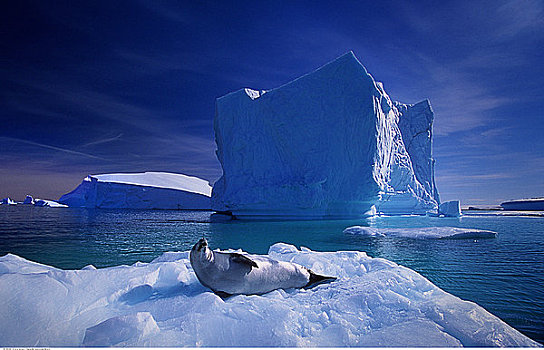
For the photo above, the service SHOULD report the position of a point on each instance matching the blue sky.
(100, 86)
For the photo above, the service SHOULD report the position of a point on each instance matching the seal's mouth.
(201, 244)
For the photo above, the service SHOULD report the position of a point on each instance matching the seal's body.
(234, 273)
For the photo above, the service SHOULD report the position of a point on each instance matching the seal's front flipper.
(242, 259)
(316, 279)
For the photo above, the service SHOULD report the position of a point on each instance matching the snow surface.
(326, 145)
(374, 302)
(421, 232)
(149, 190)
(161, 180)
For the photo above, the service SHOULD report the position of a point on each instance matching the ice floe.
(421, 232)
(374, 302)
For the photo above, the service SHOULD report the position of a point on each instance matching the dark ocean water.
(505, 274)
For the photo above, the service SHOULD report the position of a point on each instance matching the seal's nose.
(202, 243)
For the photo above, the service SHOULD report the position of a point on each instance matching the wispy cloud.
(167, 11)
(461, 102)
(55, 148)
(471, 179)
(163, 62)
(471, 46)
(123, 135)
(102, 141)
(515, 17)
(99, 104)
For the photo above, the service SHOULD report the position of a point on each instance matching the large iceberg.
(374, 302)
(149, 190)
(330, 144)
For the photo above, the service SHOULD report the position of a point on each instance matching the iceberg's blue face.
(272, 169)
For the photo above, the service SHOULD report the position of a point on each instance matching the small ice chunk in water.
(421, 232)
(451, 208)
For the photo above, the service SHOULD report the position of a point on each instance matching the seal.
(233, 273)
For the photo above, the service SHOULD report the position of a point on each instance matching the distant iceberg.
(421, 232)
(330, 144)
(374, 302)
(8, 201)
(149, 190)
(48, 203)
(524, 213)
(28, 200)
(524, 204)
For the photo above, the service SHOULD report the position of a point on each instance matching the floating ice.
(8, 201)
(523, 213)
(524, 204)
(149, 190)
(451, 208)
(28, 200)
(421, 232)
(330, 144)
(374, 302)
(48, 203)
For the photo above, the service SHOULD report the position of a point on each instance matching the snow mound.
(422, 232)
(149, 190)
(374, 302)
(330, 144)
(117, 330)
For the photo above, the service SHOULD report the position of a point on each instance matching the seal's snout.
(201, 244)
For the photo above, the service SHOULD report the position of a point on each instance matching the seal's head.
(200, 245)
(200, 252)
